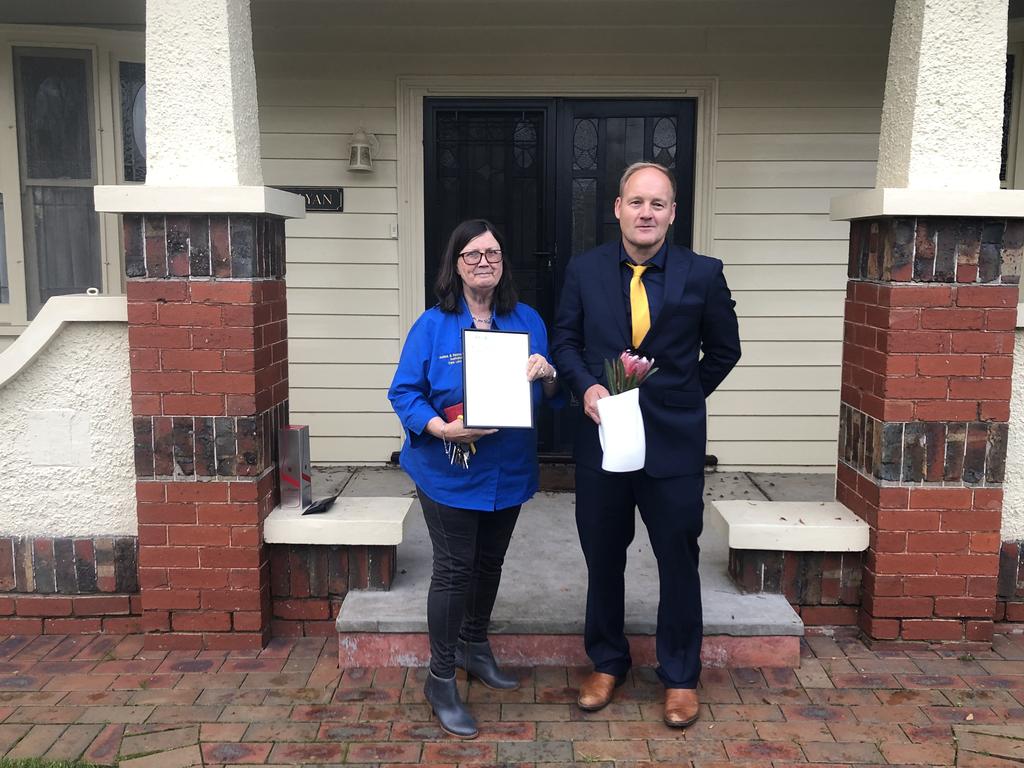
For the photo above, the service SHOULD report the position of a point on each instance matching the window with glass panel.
(133, 120)
(54, 101)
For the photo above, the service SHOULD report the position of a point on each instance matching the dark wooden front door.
(545, 172)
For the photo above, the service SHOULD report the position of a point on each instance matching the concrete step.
(538, 617)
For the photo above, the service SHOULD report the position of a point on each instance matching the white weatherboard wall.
(800, 96)
(66, 459)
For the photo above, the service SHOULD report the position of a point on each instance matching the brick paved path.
(103, 700)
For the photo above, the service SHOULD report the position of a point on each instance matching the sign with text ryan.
(322, 199)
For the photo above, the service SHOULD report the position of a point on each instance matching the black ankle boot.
(443, 696)
(478, 661)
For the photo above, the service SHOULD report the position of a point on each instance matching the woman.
(470, 507)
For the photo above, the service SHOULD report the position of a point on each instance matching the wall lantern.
(361, 150)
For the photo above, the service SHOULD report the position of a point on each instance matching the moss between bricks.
(36, 762)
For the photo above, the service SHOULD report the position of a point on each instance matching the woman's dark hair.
(448, 285)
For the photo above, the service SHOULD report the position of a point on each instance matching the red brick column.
(927, 360)
(206, 330)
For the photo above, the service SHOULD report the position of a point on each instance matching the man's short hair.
(630, 170)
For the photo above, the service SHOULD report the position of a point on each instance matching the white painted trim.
(413, 89)
(891, 201)
(372, 520)
(135, 198)
(30, 34)
(47, 324)
(1020, 315)
(793, 526)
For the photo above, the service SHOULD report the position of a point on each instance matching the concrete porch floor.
(538, 617)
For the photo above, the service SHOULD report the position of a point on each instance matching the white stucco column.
(943, 112)
(941, 131)
(202, 126)
(202, 117)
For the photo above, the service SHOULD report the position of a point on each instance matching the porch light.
(361, 150)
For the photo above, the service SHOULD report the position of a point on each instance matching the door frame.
(413, 89)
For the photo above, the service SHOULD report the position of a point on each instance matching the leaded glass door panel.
(602, 137)
(489, 161)
(597, 139)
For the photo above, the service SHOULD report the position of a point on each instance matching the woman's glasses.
(473, 257)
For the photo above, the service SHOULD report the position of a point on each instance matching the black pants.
(469, 550)
(672, 508)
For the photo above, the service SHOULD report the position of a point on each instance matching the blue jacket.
(503, 471)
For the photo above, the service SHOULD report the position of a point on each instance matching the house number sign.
(322, 199)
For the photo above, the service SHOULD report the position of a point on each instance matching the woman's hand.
(539, 368)
(455, 432)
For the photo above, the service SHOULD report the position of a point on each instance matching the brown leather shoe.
(681, 707)
(596, 691)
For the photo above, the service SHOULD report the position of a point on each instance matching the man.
(671, 304)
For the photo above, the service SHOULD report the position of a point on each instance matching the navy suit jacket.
(694, 341)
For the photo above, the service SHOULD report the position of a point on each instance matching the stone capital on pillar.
(257, 200)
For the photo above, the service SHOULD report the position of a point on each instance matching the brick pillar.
(927, 359)
(206, 329)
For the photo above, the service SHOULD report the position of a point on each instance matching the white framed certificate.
(496, 392)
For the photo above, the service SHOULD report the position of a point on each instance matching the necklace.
(486, 320)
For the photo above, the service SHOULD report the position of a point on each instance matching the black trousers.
(673, 510)
(469, 550)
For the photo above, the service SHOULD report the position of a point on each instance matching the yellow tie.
(639, 309)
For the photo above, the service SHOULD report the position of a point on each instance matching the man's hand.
(594, 393)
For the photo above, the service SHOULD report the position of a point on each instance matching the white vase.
(622, 432)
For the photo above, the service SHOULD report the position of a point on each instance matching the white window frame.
(107, 48)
